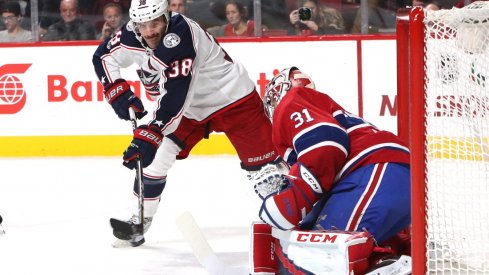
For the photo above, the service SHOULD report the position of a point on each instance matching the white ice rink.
(56, 216)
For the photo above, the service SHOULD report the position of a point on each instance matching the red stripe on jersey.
(367, 196)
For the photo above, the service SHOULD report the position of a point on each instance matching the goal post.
(411, 120)
(443, 100)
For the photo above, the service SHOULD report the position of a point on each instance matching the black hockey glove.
(146, 141)
(120, 96)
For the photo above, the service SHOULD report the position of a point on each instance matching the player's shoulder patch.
(171, 40)
(177, 43)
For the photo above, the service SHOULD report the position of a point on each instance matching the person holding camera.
(71, 26)
(312, 19)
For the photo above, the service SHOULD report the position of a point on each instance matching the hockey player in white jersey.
(197, 87)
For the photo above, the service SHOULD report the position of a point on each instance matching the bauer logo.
(12, 93)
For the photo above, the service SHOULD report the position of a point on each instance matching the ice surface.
(56, 216)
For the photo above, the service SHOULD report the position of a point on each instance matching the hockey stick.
(139, 176)
(201, 248)
(129, 231)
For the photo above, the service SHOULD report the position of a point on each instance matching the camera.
(305, 14)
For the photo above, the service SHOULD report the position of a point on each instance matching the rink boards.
(56, 107)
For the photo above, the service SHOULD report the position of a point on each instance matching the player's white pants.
(164, 159)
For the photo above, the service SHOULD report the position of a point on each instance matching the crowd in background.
(68, 20)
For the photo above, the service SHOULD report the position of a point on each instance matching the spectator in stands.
(99, 6)
(25, 13)
(113, 20)
(24, 7)
(11, 18)
(71, 26)
(322, 20)
(179, 6)
(237, 24)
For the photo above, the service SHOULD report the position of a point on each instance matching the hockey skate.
(129, 230)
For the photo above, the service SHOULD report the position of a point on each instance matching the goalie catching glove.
(286, 208)
(270, 179)
(147, 139)
(121, 98)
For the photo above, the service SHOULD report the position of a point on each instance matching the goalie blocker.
(274, 251)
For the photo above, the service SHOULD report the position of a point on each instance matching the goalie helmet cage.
(443, 101)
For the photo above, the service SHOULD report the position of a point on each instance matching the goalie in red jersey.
(346, 174)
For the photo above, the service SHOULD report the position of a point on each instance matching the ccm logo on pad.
(316, 238)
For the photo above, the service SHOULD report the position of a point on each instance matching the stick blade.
(201, 248)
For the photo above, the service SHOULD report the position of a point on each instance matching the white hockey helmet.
(280, 84)
(146, 10)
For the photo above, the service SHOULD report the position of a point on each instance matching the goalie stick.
(125, 230)
(201, 248)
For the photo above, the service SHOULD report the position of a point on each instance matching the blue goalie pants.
(375, 198)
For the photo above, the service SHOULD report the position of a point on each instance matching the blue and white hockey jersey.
(188, 74)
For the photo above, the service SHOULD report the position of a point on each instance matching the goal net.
(443, 94)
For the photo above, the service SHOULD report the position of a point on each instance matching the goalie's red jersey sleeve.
(313, 129)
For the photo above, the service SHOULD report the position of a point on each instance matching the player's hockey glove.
(120, 97)
(286, 208)
(146, 141)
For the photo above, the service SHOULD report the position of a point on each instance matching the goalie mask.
(280, 84)
(147, 10)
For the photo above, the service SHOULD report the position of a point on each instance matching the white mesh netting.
(457, 123)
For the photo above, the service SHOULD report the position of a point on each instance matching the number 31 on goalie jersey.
(301, 117)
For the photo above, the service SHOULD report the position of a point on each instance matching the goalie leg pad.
(322, 252)
(262, 252)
